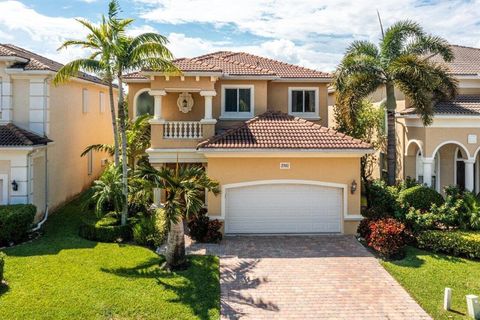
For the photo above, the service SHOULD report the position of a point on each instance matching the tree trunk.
(122, 118)
(175, 255)
(391, 135)
(114, 122)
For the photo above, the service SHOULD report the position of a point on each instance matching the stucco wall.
(72, 130)
(334, 170)
(278, 97)
(21, 102)
(38, 184)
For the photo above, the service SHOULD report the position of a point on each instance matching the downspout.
(45, 215)
(45, 105)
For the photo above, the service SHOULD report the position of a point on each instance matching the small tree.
(367, 124)
(184, 187)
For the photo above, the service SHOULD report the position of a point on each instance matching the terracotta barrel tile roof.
(242, 64)
(275, 130)
(466, 61)
(37, 62)
(461, 105)
(13, 136)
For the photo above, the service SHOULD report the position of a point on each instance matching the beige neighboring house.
(259, 127)
(45, 128)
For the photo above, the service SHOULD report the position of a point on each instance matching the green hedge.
(420, 197)
(15, 222)
(2, 266)
(457, 243)
(105, 230)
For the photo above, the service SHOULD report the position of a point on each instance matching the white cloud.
(316, 32)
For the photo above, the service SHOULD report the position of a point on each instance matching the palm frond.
(428, 46)
(72, 69)
(99, 148)
(362, 48)
(397, 36)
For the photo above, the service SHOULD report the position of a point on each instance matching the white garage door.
(283, 208)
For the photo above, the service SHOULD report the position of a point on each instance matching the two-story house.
(258, 126)
(45, 128)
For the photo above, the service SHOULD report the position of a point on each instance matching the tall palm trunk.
(391, 137)
(122, 118)
(114, 121)
(175, 255)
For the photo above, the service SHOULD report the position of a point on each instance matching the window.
(237, 101)
(90, 162)
(101, 103)
(85, 100)
(303, 102)
(144, 104)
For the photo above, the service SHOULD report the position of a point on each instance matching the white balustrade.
(182, 130)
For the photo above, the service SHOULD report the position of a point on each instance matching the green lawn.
(425, 275)
(62, 276)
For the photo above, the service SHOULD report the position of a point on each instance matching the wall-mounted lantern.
(14, 185)
(353, 187)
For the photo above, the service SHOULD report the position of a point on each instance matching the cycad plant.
(400, 61)
(184, 187)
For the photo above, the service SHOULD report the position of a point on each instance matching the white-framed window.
(85, 100)
(90, 163)
(101, 102)
(304, 102)
(238, 101)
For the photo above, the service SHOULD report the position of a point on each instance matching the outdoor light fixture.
(353, 187)
(14, 185)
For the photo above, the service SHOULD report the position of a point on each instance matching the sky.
(311, 33)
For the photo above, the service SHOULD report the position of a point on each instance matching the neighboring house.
(45, 128)
(258, 126)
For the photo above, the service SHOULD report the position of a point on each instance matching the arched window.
(144, 104)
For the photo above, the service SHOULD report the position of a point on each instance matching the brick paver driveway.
(307, 277)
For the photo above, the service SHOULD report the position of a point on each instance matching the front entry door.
(461, 175)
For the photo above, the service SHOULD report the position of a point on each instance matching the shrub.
(387, 237)
(382, 200)
(106, 229)
(420, 197)
(15, 222)
(202, 229)
(150, 230)
(363, 229)
(457, 243)
(2, 266)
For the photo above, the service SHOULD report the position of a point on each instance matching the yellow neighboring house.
(44, 129)
(259, 127)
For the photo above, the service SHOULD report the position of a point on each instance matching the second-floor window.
(237, 101)
(101, 97)
(85, 100)
(303, 102)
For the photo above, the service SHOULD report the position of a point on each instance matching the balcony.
(182, 130)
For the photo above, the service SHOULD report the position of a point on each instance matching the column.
(469, 174)
(6, 99)
(208, 95)
(157, 96)
(427, 171)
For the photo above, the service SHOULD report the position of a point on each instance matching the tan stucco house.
(259, 127)
(447, 151)
(45, 128)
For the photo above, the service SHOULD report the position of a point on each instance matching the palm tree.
(401, 60)
(184, 187)
(138, 140)
(99, 41)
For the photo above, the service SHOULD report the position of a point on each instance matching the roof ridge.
(462, 46)
(282, 62)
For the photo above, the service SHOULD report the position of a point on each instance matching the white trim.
(306, 115)
(172, 155)
(419, 144)
(238, 115)
(445, 121)
(344, 216)
(4, 178)
(13, 59)
(320, 80)
(451, 142)
(284, 153)
(135, 97)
